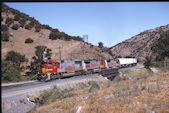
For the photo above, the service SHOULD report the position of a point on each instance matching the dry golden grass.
(128, 96)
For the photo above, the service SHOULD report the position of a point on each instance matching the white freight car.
(125, 62)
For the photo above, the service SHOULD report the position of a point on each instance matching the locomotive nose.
(117, 61)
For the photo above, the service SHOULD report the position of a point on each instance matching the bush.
(46, 27)
(22, 22)
(37, 28)
(55, 35)
(147, 62)
(51, 95)
(16, 58)
(32, 23)
(28, 26)
(28, 40)
(36, 63)
(5, 36)
(55, 30)
(161, 46)
(16, 17)
(15, 27)
(94, 87)
(4, 28)
(100, 44)
(78, 38)
(9, 21)
(11, 74)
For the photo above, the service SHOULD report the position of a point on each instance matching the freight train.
(52, 69)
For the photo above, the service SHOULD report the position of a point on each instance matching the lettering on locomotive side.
(70, 67)
(94, 65)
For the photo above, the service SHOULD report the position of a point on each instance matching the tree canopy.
(100, 44)
(38, 58)
(161, 46)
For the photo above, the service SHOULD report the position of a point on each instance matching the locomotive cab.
(47, 68)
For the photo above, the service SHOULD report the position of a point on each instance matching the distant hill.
(139, 46)
(17, 27)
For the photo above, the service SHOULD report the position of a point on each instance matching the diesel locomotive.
(52, 69)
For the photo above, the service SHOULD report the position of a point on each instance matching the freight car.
(52, 69)
(126, 62)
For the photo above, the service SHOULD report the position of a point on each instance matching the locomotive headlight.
(43, 70)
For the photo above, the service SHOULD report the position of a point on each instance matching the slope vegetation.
(17, 27)
(139, 46)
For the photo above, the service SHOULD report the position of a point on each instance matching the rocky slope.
(139, 46)
(71, 46)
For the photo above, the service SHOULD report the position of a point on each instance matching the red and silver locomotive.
(51, 69)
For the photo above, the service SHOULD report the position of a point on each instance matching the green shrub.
(28, 40)
(9, 21)
(16, 58)
(51, 95)
(22, 22)
(55, 30)
(16, 18)
(11, 74)
(37, 28)
(28, 26)
(147, 62)
(36, 63)
(4, 28)
(78, 38)
(46, 27)
(15, 27)
(5, 36)
(55, 35)
(161, 46)
(32, 23)
(100, 44)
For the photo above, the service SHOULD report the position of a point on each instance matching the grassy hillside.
(139, 46)
(148, 93)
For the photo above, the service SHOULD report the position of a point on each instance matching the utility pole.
(60, 53)
(44, 55)
(84, 37)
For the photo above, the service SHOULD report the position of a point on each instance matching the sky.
(107, 22)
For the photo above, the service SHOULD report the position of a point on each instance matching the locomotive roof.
(51, 61)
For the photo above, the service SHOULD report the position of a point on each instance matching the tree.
(16, 58)
(161, 46)
(38, 58)
(147, 62)
(15, 27)
(100, 44)
(10, 72)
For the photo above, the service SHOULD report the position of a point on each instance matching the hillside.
(19, 27)
(140, 94)
(139, 46)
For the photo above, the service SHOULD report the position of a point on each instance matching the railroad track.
(109, 73)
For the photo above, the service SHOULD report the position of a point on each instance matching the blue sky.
(108, 22)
